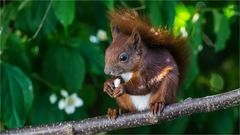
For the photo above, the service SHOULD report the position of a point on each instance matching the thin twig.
(103, 124)
(42, 21)
(42, 80)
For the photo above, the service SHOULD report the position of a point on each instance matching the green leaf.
(196, 36)
(155, 12)
(182, 12)
(215, 121)
(182, 16)
(79, 114)
(139, 130)
(109, 4)
(221, 29)
(7, 12)
(89, 95)
(15, 53)
(64, 67)
(229, 11)
(176, 126)
(216, 82)
(168, 11)
(29, 19)
(107, 102)
(16, 96)
(64, 11)
(161, 13)
(94, 62)
(192, 72)
(196, 44)
(44, 113)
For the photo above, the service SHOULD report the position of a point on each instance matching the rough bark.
(103, 124)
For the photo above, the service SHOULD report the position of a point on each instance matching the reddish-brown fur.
(157, 59)
(128, 20)
(125, 102)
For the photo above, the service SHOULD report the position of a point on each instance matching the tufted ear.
(136, 40)
(115, 31)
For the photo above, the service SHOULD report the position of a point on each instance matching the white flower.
(183, 31)
(53, 98)
(93, 39)
(69, 103)
(195, 17)
(61, 104)
(102, 35)
(64, 93)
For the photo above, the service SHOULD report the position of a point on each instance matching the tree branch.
(102, 123)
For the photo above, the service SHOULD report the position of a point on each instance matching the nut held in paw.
(116, 82)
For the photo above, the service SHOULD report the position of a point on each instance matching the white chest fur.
(126, 76)
(141, 102)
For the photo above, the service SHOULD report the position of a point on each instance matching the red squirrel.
(147, 64)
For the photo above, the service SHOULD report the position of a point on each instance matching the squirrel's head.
(125, 52)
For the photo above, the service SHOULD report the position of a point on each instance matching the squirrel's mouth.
(116, 74)
(125, 76)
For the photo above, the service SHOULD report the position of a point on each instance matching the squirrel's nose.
(107, 70)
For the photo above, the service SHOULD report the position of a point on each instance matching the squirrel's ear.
(136, 39)
(115, 31)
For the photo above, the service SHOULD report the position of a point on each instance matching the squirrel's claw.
(108, 92)
(113, 113)
(118, 91)
(157, 108)
(108, 88)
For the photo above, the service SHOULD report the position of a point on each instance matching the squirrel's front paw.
(109, 88)
(118, 91)
(156, 108)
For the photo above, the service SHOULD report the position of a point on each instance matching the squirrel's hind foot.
(113, 113)
(157, 108)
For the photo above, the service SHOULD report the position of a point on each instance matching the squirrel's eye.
(123, 57)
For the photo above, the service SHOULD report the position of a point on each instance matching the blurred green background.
(52, 50)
